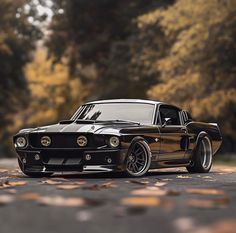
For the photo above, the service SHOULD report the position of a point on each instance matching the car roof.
(126, 101)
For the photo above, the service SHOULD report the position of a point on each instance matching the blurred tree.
(18, 33)
(102, 42)
(199, 68)
(54, 96)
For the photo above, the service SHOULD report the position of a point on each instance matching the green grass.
(225, 159)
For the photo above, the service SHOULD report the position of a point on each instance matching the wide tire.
(33, 174)
(202, 157)
(138, 159)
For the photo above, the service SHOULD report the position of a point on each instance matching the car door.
(174, 137)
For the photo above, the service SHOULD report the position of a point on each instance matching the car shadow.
(116, 175)
(160, 173)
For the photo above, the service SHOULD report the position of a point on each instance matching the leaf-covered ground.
(168, 200)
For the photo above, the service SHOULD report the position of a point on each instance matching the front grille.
(57, 157)
(65, 140)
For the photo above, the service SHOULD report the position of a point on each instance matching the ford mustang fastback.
(126, 135)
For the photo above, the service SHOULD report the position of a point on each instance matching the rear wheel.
(138, 159)
(33, 174)
(202, 158)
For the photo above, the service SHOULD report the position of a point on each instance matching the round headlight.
(21, 142)
(114, 141)
(46, 141)
(82, 141)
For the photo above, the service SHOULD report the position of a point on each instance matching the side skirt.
(170, 163)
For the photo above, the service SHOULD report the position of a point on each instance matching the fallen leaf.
(68, 187)
(160, 184)
(149, 191)
(6, 199)
(166, 179)
(12, 191)
(51, 182)
(108, 185)
(205, 191)
(141, 182)
(207, 177)
(208, 204)
(154, 191)
(3, 170)
(61, 201)
(183, 177)
(9, 184)
(3, 178)
(29, 196)
(140, 201)
(96, 187)
(58, 179)
(17, 183)
(75, 182)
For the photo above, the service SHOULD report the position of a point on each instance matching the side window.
(170, 112)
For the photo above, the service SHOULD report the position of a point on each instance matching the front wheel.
(202, 158)
(138, 159)
(33, 174)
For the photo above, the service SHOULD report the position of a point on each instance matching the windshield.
(136, 112)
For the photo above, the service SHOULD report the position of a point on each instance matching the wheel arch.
(200, 136)
(138, 139)
(142, 139)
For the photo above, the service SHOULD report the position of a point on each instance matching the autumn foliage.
(182, 52)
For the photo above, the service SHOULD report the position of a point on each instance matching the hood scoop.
(85, 121)
(65, 122)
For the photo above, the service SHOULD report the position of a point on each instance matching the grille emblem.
(82, 141)
(46, 141)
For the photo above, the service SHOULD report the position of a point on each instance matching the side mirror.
(166, 121)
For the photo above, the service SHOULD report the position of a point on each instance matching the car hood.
(101, 128)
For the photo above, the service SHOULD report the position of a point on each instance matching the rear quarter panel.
(199, 129)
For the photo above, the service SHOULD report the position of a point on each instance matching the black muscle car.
(119, 135)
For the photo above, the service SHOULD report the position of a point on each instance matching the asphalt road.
(164, 201)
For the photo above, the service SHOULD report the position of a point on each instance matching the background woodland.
(58, 54)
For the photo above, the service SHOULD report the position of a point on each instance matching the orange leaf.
(61, 201)
(29, 196)
(208, 204)
(136, 201)
(68, 187)
(205, 191)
